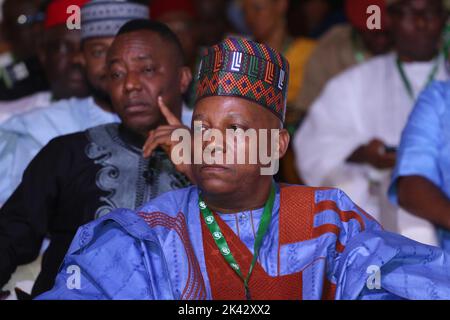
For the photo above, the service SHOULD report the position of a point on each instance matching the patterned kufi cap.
(104, 18)
(242, 68)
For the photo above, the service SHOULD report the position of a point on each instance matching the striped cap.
(104, 18)
(242, 68)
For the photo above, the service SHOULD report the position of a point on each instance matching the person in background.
(179, 16)
(350, 136)
(82, 176)
(59, 56)
(21, 73)
(342, 47)
(421, 179)
(22, 136)
(313, 18)
(212, 22)
(267, 22)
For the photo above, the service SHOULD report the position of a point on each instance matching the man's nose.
(132, 82)
(76, 58)
(421, 22)
(214, 140)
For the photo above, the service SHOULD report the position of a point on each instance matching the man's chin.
(216, 185)
(141, 123)
(78, 90)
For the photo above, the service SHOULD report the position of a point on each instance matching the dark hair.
(157, 27)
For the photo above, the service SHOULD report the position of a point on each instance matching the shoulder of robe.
(172, 202)
(121, 225)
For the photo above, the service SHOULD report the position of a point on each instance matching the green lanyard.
(405, 79)
(222, 244)
(358, 54)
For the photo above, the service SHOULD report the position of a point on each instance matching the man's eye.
(98, 53)
(235, 127)
(59, 48)
(149, 70)
(116, 75)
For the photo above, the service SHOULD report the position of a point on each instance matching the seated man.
(421, 180)
(238, 235)
(79, 177)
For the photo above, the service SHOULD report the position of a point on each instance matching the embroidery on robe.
(128, 178)
(195, 285)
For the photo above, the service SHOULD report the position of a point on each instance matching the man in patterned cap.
(81, 176)
(237, 234)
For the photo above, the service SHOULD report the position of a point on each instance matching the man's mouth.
(214, 168)
(76, 77)
(137, 106)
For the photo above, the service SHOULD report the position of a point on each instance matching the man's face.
(141, 67)
(62, 60)
(211, 21)
(262, 16)
(233, 113)
(94, 53)
(377, 41)
(416, 27)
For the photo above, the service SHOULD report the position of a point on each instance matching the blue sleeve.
(421, 139)
(384, 265)
(16, 152)
(106, 262)
(379, 265)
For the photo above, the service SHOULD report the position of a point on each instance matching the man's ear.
(283, 142)
(186, 78)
